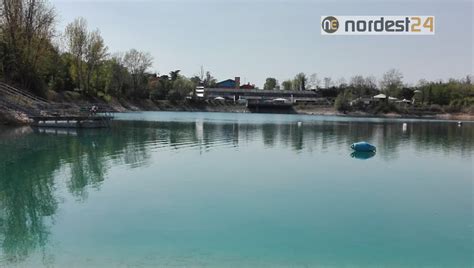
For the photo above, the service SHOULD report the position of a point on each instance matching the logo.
(330, 24)
(377, 25)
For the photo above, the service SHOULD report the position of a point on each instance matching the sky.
(259, 39)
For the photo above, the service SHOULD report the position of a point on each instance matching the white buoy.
(300, 124)
(459, 123)
(404, 127)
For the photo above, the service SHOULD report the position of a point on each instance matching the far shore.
(11, 117)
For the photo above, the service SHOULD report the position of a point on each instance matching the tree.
(76, 42)
(26, 31)
(357, 81)
(89, 51)
(327, 82)
(137, 63)
(299, 82)
(117, 75)
(182, 87)
(342, 101)
(174, 75)
(371, 82)
(341, 82)
(287, 85)
(270, 84)
(95, 54)
(209, 81)
(357, 84)
(313, 81)
(392, 82)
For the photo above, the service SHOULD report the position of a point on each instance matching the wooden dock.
(92, 121)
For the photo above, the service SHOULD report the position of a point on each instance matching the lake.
(161, 189)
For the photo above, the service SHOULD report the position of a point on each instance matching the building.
(200, 92)
(247, 86)
(229, 83)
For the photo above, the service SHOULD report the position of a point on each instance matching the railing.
(12, 91)
(19, 99)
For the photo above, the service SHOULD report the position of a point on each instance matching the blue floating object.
(363, 147)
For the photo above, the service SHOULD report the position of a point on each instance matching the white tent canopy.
(380, 96)
(219, 98)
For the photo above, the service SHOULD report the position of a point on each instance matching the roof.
(380, 96)
(227, 80)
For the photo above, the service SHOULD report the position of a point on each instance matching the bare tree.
(357, 81)
(137, 63)
(327, 82)
(341, 82)
(313, 81)
(392, 82)
(371, 82)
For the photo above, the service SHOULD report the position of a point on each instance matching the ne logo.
(330, 24)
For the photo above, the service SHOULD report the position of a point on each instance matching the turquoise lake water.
(164, 189)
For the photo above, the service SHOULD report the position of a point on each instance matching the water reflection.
(362, 155)
(31, 159)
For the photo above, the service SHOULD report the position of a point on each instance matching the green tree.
(270, 84)
(287, 85)
(26, 31)
(342, 101)
(96, 52)
(76, 42)
(299, 82)
(182, 87)
(117, 75)
(89, 51)
(174, 75)
(209, 81)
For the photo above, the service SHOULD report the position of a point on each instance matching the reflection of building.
(199, 130)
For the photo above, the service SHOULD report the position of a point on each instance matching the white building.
(200, 91)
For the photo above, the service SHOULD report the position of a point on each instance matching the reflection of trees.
(28, 161)
(26, 198)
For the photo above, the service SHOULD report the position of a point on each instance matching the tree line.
(456, 93)
(34, 55)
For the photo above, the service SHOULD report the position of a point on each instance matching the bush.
(435, 108)
(342, 102)
(386, 107)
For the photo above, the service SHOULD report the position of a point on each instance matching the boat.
(363, 146)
